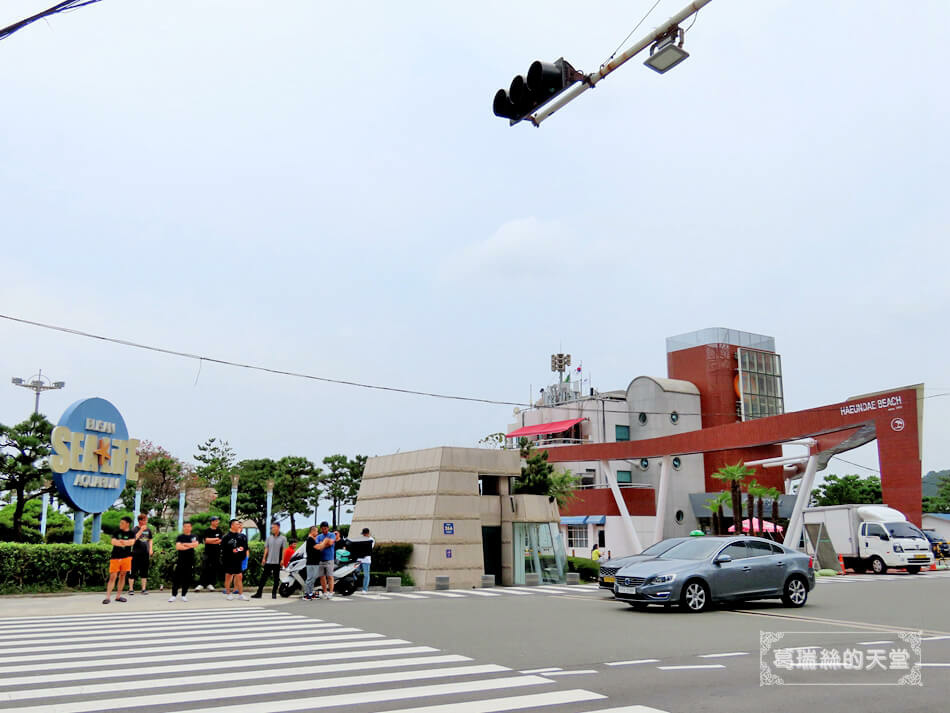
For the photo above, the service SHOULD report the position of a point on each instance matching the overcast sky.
(322, 187)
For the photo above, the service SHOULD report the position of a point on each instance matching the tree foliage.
(538, 477)
(24, 468)
(298, 487)
(941, 501)
(734, 475)
(252, 491)
(341, 482)
(215, 460)
(846, 490)
(59, 527)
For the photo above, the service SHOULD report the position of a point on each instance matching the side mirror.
(722, 559)
(884, 537)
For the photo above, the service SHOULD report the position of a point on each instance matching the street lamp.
(667, 52)
(38, 383)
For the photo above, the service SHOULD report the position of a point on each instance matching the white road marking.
(684, 668)
(222, 678)
(511, 703)
(282, 641)
(631, 663)
(296, 656)
(542, 670)
(722, 656)
(121, 620)
(872, 643)
(354, 699)
(95, 634)
(406, 595)
(630, 709)
(476, 592)
(57, 618)
(281, 688)
(238, 635)
(445, 594)
(936, 665)
(578, 672)
(934, 638)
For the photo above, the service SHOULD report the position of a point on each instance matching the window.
(644, 463)
(677, 462)
(875, 530)
(577, 536)
(760, 381)
(736, 550)
(624, 476)
(758, 549)
(680, 516)
(621, 433)
(674, 418)
(777, 549)
(642, 418)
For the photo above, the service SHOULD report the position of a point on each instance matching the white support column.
(181, 508)
(794, 533)
(634, 540)
(43, 514)
(662, 496)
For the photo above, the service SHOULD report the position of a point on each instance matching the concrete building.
(454, 505)
(646, 455)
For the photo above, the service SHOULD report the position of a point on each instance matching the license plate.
(626, 590)
(609, 580)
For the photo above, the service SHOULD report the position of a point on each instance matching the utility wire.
(344, 382)
(620, 46)
(59, 7)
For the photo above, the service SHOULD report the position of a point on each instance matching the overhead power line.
(343, 382)
(59, 7)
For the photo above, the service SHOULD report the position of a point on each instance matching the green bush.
(588, 569)
(59, 527)
(392, 556)
(63, 567)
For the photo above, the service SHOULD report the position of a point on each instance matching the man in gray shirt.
(273, 550)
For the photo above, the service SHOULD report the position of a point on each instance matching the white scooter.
(346, 574)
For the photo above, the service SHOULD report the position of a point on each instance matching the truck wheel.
(795, 593)
(878, 566)
(695, 597)
(913, 569)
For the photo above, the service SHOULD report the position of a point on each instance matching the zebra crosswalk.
(498, 592)
(256, 661)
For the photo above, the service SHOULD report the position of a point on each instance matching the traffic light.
(544, 81)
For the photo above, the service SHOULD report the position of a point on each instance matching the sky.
(322, 188)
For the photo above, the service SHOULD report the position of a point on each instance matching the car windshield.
(660, 547)
(698, 549)
(932, 535)
(903, 529)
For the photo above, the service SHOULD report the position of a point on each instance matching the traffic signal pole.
(591, 80)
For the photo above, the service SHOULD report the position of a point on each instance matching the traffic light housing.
(527, 93)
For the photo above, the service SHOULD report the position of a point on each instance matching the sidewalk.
(33, 605)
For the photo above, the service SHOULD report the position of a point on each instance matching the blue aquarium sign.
(93, 456)
(448, 528)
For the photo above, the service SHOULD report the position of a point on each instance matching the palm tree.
(775, 494)
(734, 475)
(715, 505)
(757, 490)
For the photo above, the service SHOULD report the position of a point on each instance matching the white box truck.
(872, 537)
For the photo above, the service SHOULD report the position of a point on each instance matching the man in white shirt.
(365, 561)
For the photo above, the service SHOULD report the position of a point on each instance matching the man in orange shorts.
(120, 562)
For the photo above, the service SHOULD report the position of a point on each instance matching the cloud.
(523, 250)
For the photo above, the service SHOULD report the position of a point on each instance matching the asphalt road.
(561, 649)
(588, 633)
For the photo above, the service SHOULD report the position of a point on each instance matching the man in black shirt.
(120, 561)
(211, 572)
(234, 552)
(141, 554)
(185, 544)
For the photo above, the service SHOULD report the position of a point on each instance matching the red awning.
(544, 428)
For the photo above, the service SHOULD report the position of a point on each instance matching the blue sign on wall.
(448, 554)
(93, 455)
(448, 528)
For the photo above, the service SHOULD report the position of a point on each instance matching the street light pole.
(39, 383)
(590, 81)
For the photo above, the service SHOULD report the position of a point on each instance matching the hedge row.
(588, 569)
(58, 567)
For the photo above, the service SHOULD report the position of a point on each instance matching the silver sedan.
(702, 570)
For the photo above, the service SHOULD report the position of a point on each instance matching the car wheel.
(638, 606)
(878, 566)
(913, 569)
(795, 593)
(695, 597)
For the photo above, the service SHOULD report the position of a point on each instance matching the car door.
(731, 579)
(767, 570)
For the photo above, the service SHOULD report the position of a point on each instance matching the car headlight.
(663, 579)
(898, 548)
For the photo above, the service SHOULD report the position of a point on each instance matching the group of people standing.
(225, 553)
